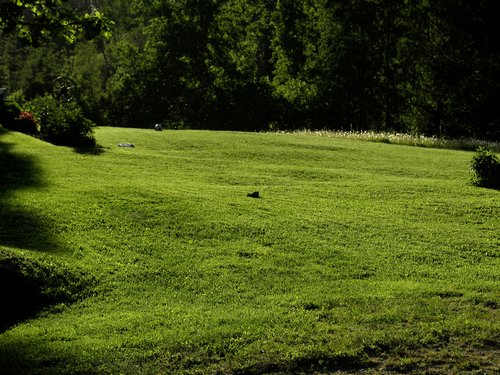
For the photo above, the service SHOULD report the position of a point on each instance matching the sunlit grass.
(467, 144)
(358, 254)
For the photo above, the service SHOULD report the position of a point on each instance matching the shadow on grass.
(20, 227)
(97, 150)
(313, 365)
(25, 288)
(28, 286)
(28, 355)
(23, 229)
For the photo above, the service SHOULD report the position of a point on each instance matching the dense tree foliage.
(418, 66)
(35, 20)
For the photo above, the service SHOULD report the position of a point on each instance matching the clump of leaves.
(63, 123)
(485, 168)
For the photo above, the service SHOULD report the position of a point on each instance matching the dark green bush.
(27, 123)
(63, 123)
(9, 113)
(486, 169)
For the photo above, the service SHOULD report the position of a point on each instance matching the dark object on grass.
(255, 194)
(485, 167)
(131, 145)
(158, 127)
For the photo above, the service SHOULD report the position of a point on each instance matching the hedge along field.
(358, 256)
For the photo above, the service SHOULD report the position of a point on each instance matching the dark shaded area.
(311, 365)
(26, 230)
(27, 287)
(19, 227)
(18, 358)
(17, 171)
(97, 150)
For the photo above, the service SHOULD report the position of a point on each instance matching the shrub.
(63, 123)
(27, 123)
(9, 113)
(486, 169)
(13, 118)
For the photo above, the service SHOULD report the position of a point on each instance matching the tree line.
(415, 66)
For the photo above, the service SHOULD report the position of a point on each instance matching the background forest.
(414, 66)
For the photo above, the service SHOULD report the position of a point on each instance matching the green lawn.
(358, 256)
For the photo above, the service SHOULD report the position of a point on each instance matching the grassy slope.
(358, 254)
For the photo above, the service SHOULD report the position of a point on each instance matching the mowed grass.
(358, 256)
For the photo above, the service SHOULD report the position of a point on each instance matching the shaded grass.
(359, 255)
(30, 284)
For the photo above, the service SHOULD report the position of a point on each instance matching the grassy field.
(358, 257)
